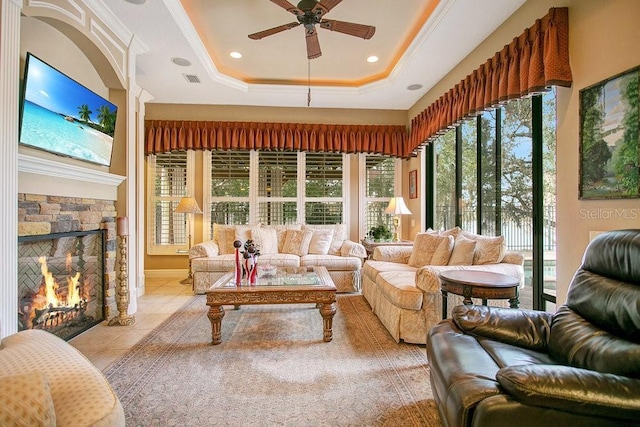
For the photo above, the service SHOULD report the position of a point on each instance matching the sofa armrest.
(573, 390)
(513, 258)
(352, 249)
(204, 249)
(390, 253)
(523, 328)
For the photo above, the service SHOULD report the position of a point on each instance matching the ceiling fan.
(309, 13)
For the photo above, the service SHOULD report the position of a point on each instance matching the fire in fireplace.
(61, 282)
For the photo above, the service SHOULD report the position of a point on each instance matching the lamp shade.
(397, 207)
(188, 205)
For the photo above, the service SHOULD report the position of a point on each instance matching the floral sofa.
(281, 246)
(402, 286)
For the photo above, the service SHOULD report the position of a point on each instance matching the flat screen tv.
(61, 116)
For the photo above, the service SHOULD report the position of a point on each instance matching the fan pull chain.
(308, 82)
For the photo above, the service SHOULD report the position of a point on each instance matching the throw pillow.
(266, 239)
(281, 231)
(225, 237)
(489, 249)
(339, 235)
(321, 242)
(463, 251)
(26, 400)
(431, 249)
(455, 231)
(297, 242)
(243, 232)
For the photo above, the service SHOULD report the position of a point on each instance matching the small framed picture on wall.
(413, 184)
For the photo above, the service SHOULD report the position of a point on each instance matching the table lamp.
(396, 208)
(188, 206)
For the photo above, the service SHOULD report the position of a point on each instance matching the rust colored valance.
(531, 63)
(164, 136)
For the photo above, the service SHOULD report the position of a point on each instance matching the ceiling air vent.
(192, 78)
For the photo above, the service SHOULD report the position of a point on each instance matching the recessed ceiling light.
(137, 1)
(181, 62)
(372, 58)
(414, 86)
(236, 55)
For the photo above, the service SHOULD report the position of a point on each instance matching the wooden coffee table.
(289, 286)
(478, 284)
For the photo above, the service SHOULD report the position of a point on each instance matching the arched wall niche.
(98, 42)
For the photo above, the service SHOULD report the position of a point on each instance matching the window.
(486, 170)
(278, 187)
(380, 176)
(228, 198)
(445, 171)
(323, 188)
(274, 187)
(170, 177)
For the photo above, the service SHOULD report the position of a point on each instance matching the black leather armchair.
(578, 367)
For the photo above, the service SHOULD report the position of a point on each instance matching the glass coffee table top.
(279, 276)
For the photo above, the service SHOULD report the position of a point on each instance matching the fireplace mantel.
(65, 179)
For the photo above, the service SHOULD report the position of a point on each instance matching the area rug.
(272, 368)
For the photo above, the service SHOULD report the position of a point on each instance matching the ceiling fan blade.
(325, 6)
(271, 31)
(313, 45)
(288, 7)
(350, 28)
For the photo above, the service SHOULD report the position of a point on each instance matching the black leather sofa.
(578, 367)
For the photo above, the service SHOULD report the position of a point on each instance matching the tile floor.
(103, 344)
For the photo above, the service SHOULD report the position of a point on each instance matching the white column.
(143, 98)
(134, 199)
(9, 96)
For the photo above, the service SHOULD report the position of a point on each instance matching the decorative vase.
(254, 271)
(238, 271)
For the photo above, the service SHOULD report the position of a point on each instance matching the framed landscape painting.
(609, 138)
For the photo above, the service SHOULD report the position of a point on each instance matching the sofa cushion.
(297, 242)
(26, 400)
(332, 262)
(489, 249)
(225, 262)
(431, 249)
(279, 260)
(321, 241)
(463, 251)
(266, 239)
(399, 287)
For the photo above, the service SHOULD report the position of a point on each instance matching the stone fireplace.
(70, 242)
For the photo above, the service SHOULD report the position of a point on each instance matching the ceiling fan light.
(372, 59)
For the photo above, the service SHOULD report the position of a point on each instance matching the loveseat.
(402, 286)
(578, 367)
(44, 381)
(281, 246)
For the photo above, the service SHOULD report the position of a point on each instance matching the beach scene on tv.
(63, 117)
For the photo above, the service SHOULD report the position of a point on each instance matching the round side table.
(478, 284)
